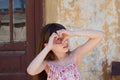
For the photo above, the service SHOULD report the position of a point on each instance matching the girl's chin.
(66, 49)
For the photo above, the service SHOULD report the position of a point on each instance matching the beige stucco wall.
(90, 14)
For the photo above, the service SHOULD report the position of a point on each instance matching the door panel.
(18, 41)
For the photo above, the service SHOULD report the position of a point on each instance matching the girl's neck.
(62, 60)
(62, 57)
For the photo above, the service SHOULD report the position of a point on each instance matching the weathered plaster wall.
(90, 14)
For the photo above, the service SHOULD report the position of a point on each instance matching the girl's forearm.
(88, 33)
(35, 64)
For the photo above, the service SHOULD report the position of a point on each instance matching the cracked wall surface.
(90, 14)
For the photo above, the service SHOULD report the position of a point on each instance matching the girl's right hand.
(51, 40)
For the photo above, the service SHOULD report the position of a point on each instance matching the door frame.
(33, 33)
(37, 24)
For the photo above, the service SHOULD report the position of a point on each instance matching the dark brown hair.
(46, 32)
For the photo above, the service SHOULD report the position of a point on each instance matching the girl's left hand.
(64, 34)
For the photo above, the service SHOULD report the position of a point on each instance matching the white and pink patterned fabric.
(69, 72)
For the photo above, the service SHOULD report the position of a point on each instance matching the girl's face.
(59, 46)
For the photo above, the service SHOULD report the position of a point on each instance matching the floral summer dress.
(68, 72)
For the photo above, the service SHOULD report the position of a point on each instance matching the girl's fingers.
(66, 38)
(61, 32)
(54, 35)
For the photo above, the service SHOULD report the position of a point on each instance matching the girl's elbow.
(30, 72)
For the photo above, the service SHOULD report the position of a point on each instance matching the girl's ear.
(45, 44)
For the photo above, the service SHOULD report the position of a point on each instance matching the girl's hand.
(51, 40)
(64, 34)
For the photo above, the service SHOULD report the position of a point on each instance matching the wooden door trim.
(13, 46)
(39, 16)
(30, 33)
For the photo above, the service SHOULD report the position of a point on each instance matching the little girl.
(54, 56)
